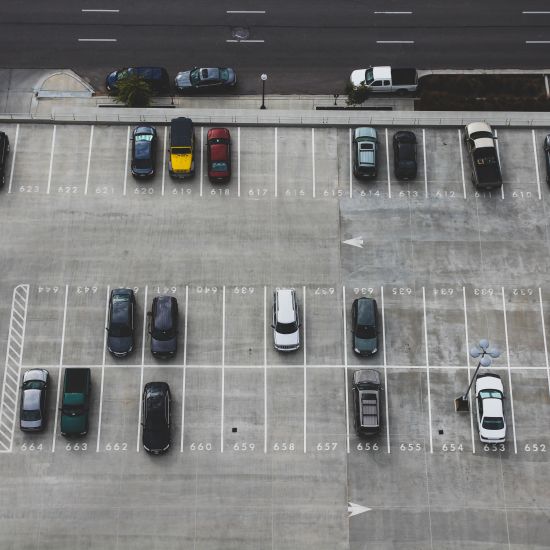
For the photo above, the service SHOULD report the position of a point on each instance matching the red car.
(218, 151)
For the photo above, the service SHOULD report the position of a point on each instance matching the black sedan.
(156, 417)
(32, 416)
(120, 328)
(144, 151)
(547, 157)
(164, 326)
(209, 79)
(404, 155)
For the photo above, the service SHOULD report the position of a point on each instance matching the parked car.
(366, 390)
(490, 410)
(156, 403)
(481, 146)
(32, 417)
(547, 157)
(209, 79)
(286, 320)
(364, 326)
(156, 77)
(164, 326)
(181, 162)
(404, 155)
(75, 402)
(364, 153)
(218, 153)
(144, 151)
(120, 329)
(4, 151)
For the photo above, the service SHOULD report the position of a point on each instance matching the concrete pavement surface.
(263, 447)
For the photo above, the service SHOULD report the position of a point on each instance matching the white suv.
(490, 410)
(286, 320)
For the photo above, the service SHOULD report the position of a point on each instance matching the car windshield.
(30, 416)
(483, 134)
(485, 394)
(181, 150)
(122, 74)
(33, 385)
(369, 76)
(365, 332)
(144, 137)
(493, 423)
(119, 330)
(219, 166)
(286, 328)
(195, 76)
(224, 74)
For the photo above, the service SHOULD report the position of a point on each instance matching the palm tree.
(133, 91)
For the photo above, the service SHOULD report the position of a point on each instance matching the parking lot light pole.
(264, 78)
(486, 356)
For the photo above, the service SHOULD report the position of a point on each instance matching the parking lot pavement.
(445, 166)
(295, 172)
(257, 155)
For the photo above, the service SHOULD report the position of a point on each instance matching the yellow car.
(182, 148)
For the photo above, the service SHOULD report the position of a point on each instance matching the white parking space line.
(461, 161)
(350, 167)
(388, 163)
(126, 160)
(60, 368)
(99, 11)
(201, 162)
(89, 160)
(468, 364)
(13, 157)
(51, 159)
(142, 367)
(536, 163)
(427, 369)
(536, 12)
(387, 395)
(305, 367)
(265, 369)
(276, 163)
(509, 371)
(102, 370)
(313, 159)
(184, 366)
(97, 39)
(346, 388)
(164, 159)
(544, 339)
(223, 368)
(238, 161)
(498, 156)
(246, 11)
(425, 167)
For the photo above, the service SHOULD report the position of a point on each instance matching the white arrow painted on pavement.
(356, 241)
(355, 509)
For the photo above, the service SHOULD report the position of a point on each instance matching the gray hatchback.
(32, 416)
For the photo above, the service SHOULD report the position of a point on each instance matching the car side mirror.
(272, 326)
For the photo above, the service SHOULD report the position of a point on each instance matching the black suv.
(366, 390)
(164, 326)
(156, 77)
(156, 417)
(404, 155)
(4, 150)
(120, 328)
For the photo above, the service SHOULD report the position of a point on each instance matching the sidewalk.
(62, 96)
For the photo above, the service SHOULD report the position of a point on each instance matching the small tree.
(356, 94)
(133, 91)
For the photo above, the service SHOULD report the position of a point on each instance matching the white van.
(286, 320)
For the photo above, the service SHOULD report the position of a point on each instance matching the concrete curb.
(241, 117)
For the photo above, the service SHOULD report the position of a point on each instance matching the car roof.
(31, 400)
(382, 72)
(163, 308)
(285, 312)
(181, 132)
(218, 151)
(365, 310)
(492, 407)
(209, 73)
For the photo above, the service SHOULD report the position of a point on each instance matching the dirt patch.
(482, 93)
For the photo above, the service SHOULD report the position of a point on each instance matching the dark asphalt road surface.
(308, 47)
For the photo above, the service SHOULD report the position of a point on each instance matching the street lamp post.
(485, 354)
(263, 76)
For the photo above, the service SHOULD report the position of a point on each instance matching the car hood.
(358, 77)
(183, 79)
(120, 344)
(287, 339)
(73, 424)
(164, 346)
(365, 344)
(156, 440)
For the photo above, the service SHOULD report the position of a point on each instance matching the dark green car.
(364, 326)
(75, 402)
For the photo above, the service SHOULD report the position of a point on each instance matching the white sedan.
(490, 410)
